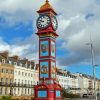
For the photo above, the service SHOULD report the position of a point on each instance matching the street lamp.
(93, 65)
(95, 88)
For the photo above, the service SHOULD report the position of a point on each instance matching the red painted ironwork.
(48, 88)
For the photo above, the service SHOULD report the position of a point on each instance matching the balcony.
(16, 85)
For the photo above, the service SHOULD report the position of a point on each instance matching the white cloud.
(3, 46)
(17, 11)
(26, 49)
(74, 29)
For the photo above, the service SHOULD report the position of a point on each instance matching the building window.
(2, 80)
(18, 90)
(22, 73)
(16, 72)
(1, 91)
(28, 82)
(31, 75)
(15, 91)
(3, 60)
(31, 91)
(37, 83)
(19, 72)
(9, 62)
(2, 70)
(10, 80)
(12, 62)
(21, 64)
(6, 80)
(31, 82)
(26, 65)
(25, 74)
(28, 91)
(25, 82)
(28, 74)
(6, 70)
(22, 82)
(15, 63)
(34, 82)
(37, 75)
(15, 81)
(5, 90)
(25, 91)
(18, 81)
(11, 72)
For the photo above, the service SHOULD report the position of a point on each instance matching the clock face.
(54, 23)
(43, 21)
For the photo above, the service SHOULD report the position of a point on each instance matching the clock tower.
(48, 88)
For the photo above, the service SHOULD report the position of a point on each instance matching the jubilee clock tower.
(48, 88)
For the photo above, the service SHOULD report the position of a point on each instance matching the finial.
(47, 1)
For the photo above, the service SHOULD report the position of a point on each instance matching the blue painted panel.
(44, 48)
(44, 69)
(53, 70)
(42, 94)
(53, 49)
(57, 93)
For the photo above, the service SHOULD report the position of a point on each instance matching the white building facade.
(86, 84)
(68, 81)
(77, 83)
(25, 79)
(17, 76)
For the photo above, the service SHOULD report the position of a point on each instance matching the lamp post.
(93, 65)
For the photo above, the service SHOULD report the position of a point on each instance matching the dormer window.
(3, 60)
(15, 63)
(9, 62)
(30, 66)
(26, 65)
(21, 64)
(12, 62)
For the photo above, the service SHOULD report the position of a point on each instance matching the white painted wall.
(25, 76)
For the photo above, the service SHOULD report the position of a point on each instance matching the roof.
(4, 54)
(46, 7)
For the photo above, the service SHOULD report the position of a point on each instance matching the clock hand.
(42, 21)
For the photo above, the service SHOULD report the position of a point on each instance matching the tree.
(66, 94)
(6, 98)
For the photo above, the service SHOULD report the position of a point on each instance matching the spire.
(46, 7)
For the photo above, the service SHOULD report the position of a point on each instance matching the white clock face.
(43, 21)
(54, 23)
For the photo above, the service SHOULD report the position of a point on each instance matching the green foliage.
(6, 98)
(15, 99)
(66, 94)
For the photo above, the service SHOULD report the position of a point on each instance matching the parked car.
(98, 94)
(88, 96)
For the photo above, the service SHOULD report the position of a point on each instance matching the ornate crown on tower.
(46, 7)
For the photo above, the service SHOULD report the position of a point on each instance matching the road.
(81, 99)
(77, 99)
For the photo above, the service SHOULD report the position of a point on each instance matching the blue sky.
(76, 18)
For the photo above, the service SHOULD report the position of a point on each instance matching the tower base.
(46, 91)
